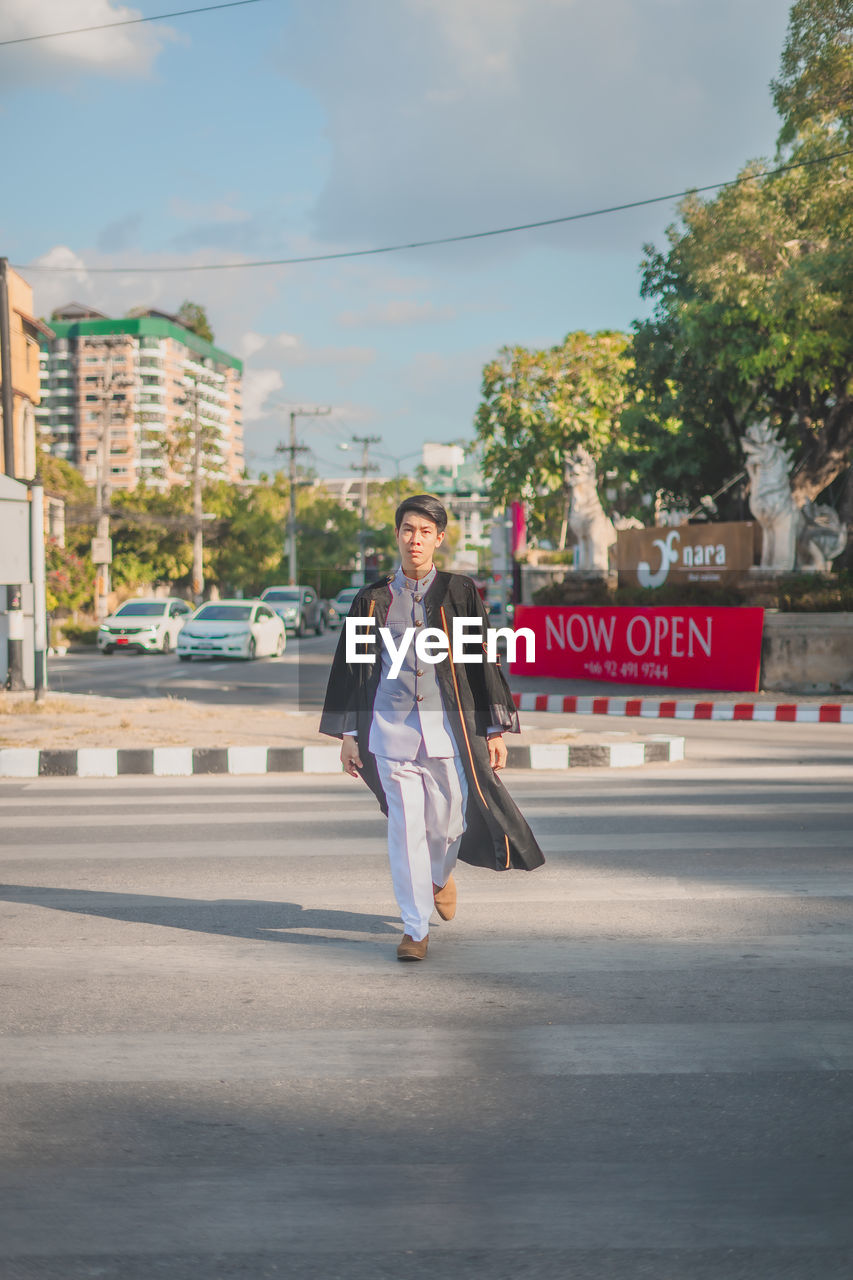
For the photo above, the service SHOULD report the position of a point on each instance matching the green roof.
(468, 479)
(150, 326)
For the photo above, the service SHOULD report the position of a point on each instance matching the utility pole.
(292, 449)
(198, 516)
(102, 552)
(14, 612)
(364, 467)
(37, 574)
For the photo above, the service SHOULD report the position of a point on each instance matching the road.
(633, 1063)
(297, 679)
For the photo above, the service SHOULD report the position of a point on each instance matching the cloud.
(445, 117)
(397, 312)
(259, 385)
(292, 350)
(121, 234)
(233, 311)
(113, 51)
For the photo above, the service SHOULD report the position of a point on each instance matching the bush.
(795, 593)
(812, 593)
(79, 632)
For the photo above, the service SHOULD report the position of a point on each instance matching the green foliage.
(815, 82)
(70, 579)
(243, 542)
(753, 316)
(817, 593)
(194, 317)
(151, 543)
(795, 593)
(79, 632)
(537, 406)
(244, 553)
(753, 321)
(62, 480)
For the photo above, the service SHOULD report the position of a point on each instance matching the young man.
(427, 738)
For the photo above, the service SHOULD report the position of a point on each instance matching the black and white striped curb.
(184, 762)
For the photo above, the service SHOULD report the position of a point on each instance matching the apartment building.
(145, 380)
(25, 336)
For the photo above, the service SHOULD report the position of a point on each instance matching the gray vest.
(408, 711)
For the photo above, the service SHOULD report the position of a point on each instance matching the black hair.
(425, 505)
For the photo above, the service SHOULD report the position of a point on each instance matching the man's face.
(417, 538)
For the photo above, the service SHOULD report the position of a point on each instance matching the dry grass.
(69, 720)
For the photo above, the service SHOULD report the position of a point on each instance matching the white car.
(149, 626)
(232, 629)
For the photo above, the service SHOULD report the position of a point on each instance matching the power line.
(426, 244)
(128, 22)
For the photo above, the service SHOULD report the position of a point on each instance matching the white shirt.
(408, 711)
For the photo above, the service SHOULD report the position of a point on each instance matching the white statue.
(807, 538)
(594, 532)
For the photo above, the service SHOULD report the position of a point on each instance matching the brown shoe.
(445, 899)
(411, 950)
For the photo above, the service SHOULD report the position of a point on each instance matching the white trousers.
(426, 818)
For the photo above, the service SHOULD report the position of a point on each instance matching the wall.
(807, 652)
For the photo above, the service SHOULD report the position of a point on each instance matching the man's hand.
(497, 752)
(350, 759)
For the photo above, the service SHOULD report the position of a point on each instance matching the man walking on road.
(425, 732)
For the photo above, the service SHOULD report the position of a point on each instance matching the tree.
(61, 480)
(69, 579)
(246, 551)
(754, 296)
(537, 406)
(153, 542)
(194, 317)
(815, 81)
(754, 319)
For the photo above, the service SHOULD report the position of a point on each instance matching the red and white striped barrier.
(660, 709)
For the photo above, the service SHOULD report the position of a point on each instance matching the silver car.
(300, 608)
(341, 605)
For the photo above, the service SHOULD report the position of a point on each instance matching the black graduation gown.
(475, 696)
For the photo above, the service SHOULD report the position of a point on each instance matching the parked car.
(232, 629)
(147, 626)
(300, 608)
(340, 606)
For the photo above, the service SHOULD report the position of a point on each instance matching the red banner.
(683, 648)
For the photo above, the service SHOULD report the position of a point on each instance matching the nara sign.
(693, 647)
(690, 553)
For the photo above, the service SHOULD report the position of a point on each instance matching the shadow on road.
(224, 917)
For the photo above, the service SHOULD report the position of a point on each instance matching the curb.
(185, 762)
(655, 708)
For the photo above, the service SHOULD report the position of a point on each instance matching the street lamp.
(397, 459)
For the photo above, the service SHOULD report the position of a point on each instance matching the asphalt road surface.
(632, 1064)
(297, 679)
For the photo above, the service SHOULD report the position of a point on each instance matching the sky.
(288, 128)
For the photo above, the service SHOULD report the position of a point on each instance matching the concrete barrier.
(807, 652)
